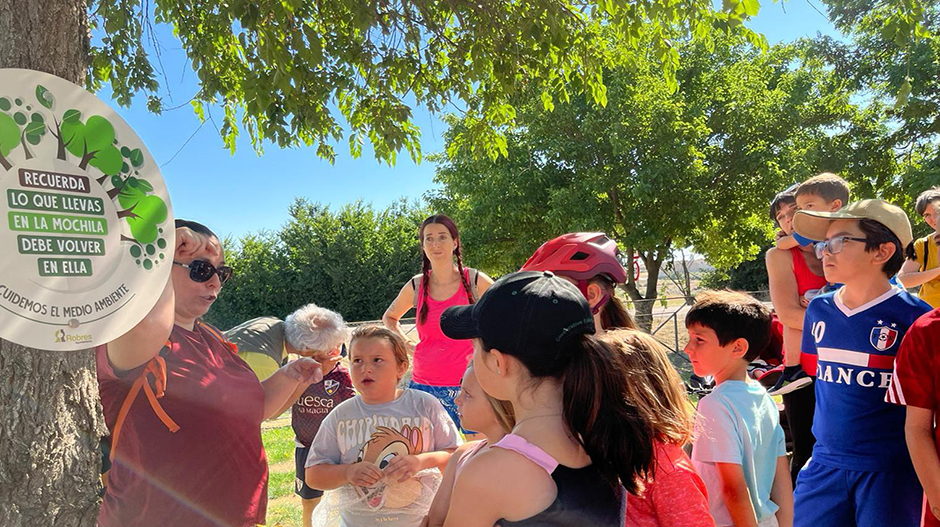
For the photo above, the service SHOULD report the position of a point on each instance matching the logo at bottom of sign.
(62, 336)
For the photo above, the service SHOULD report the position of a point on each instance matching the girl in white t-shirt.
(378, 448)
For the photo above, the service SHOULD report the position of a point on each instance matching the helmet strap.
(583, 287)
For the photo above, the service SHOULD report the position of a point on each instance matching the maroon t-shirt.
(319, 400)
(213, 470)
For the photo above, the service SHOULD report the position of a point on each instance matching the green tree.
(353, 260)
(91, 141)
(893, 56)
(282, 69)
(656, 170)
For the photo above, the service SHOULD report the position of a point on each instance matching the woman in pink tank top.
(439, 362)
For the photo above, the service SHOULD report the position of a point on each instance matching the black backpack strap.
(474, 279)
(415, 284)
(925, 250)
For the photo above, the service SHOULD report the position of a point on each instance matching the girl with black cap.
(577, 445)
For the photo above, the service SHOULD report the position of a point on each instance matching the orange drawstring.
(156, 368)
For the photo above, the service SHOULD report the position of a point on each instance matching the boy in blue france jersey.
(860, 473)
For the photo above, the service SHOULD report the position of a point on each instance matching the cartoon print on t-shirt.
(385, 444)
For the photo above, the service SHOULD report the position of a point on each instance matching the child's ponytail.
(611, 431)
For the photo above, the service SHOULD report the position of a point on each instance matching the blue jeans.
(446, 395)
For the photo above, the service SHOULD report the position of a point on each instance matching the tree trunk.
(49, 437)
(644, 302)
(45, 35)
(51, 415)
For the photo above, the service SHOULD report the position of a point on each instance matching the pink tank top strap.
(519, 445)
(455, 299)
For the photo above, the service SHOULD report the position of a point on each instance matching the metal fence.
(667, 318)
(672, 317)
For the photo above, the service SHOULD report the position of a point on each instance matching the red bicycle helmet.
(579, 255)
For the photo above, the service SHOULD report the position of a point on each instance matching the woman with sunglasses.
(188, 450)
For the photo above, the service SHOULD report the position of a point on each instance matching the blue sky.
(242, 193)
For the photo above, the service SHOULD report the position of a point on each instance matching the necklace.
(535, 417)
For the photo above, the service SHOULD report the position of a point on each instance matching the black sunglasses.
(202, 271)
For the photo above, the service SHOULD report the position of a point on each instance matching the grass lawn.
(284, 507)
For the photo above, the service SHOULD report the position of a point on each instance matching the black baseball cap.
(529, 314)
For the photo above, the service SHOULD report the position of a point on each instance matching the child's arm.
(401, 468)
(918, 429)
(441, 503)
(786, 242)
(735, 494)
(782, 493)
(328, 477)
(911, 277)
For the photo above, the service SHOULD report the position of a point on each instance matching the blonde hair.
(375, 331)
(654, 386)
(505, 415)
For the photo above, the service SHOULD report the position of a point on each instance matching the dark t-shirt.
(308, 413)
(213, 470)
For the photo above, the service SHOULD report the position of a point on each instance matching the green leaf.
(751, 7)
(72, 116)
(136, 158)
(35, 128)
(155, 104)
(904, 93)
(44, 96)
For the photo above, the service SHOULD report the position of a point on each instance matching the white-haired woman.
(316, 332)
(265, 342)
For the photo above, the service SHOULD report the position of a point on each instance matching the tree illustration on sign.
(19, 126)
(94, 143)
(143, 211)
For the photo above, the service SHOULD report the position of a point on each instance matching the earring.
(498, 372)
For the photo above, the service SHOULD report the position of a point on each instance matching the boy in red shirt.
(915, 385)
